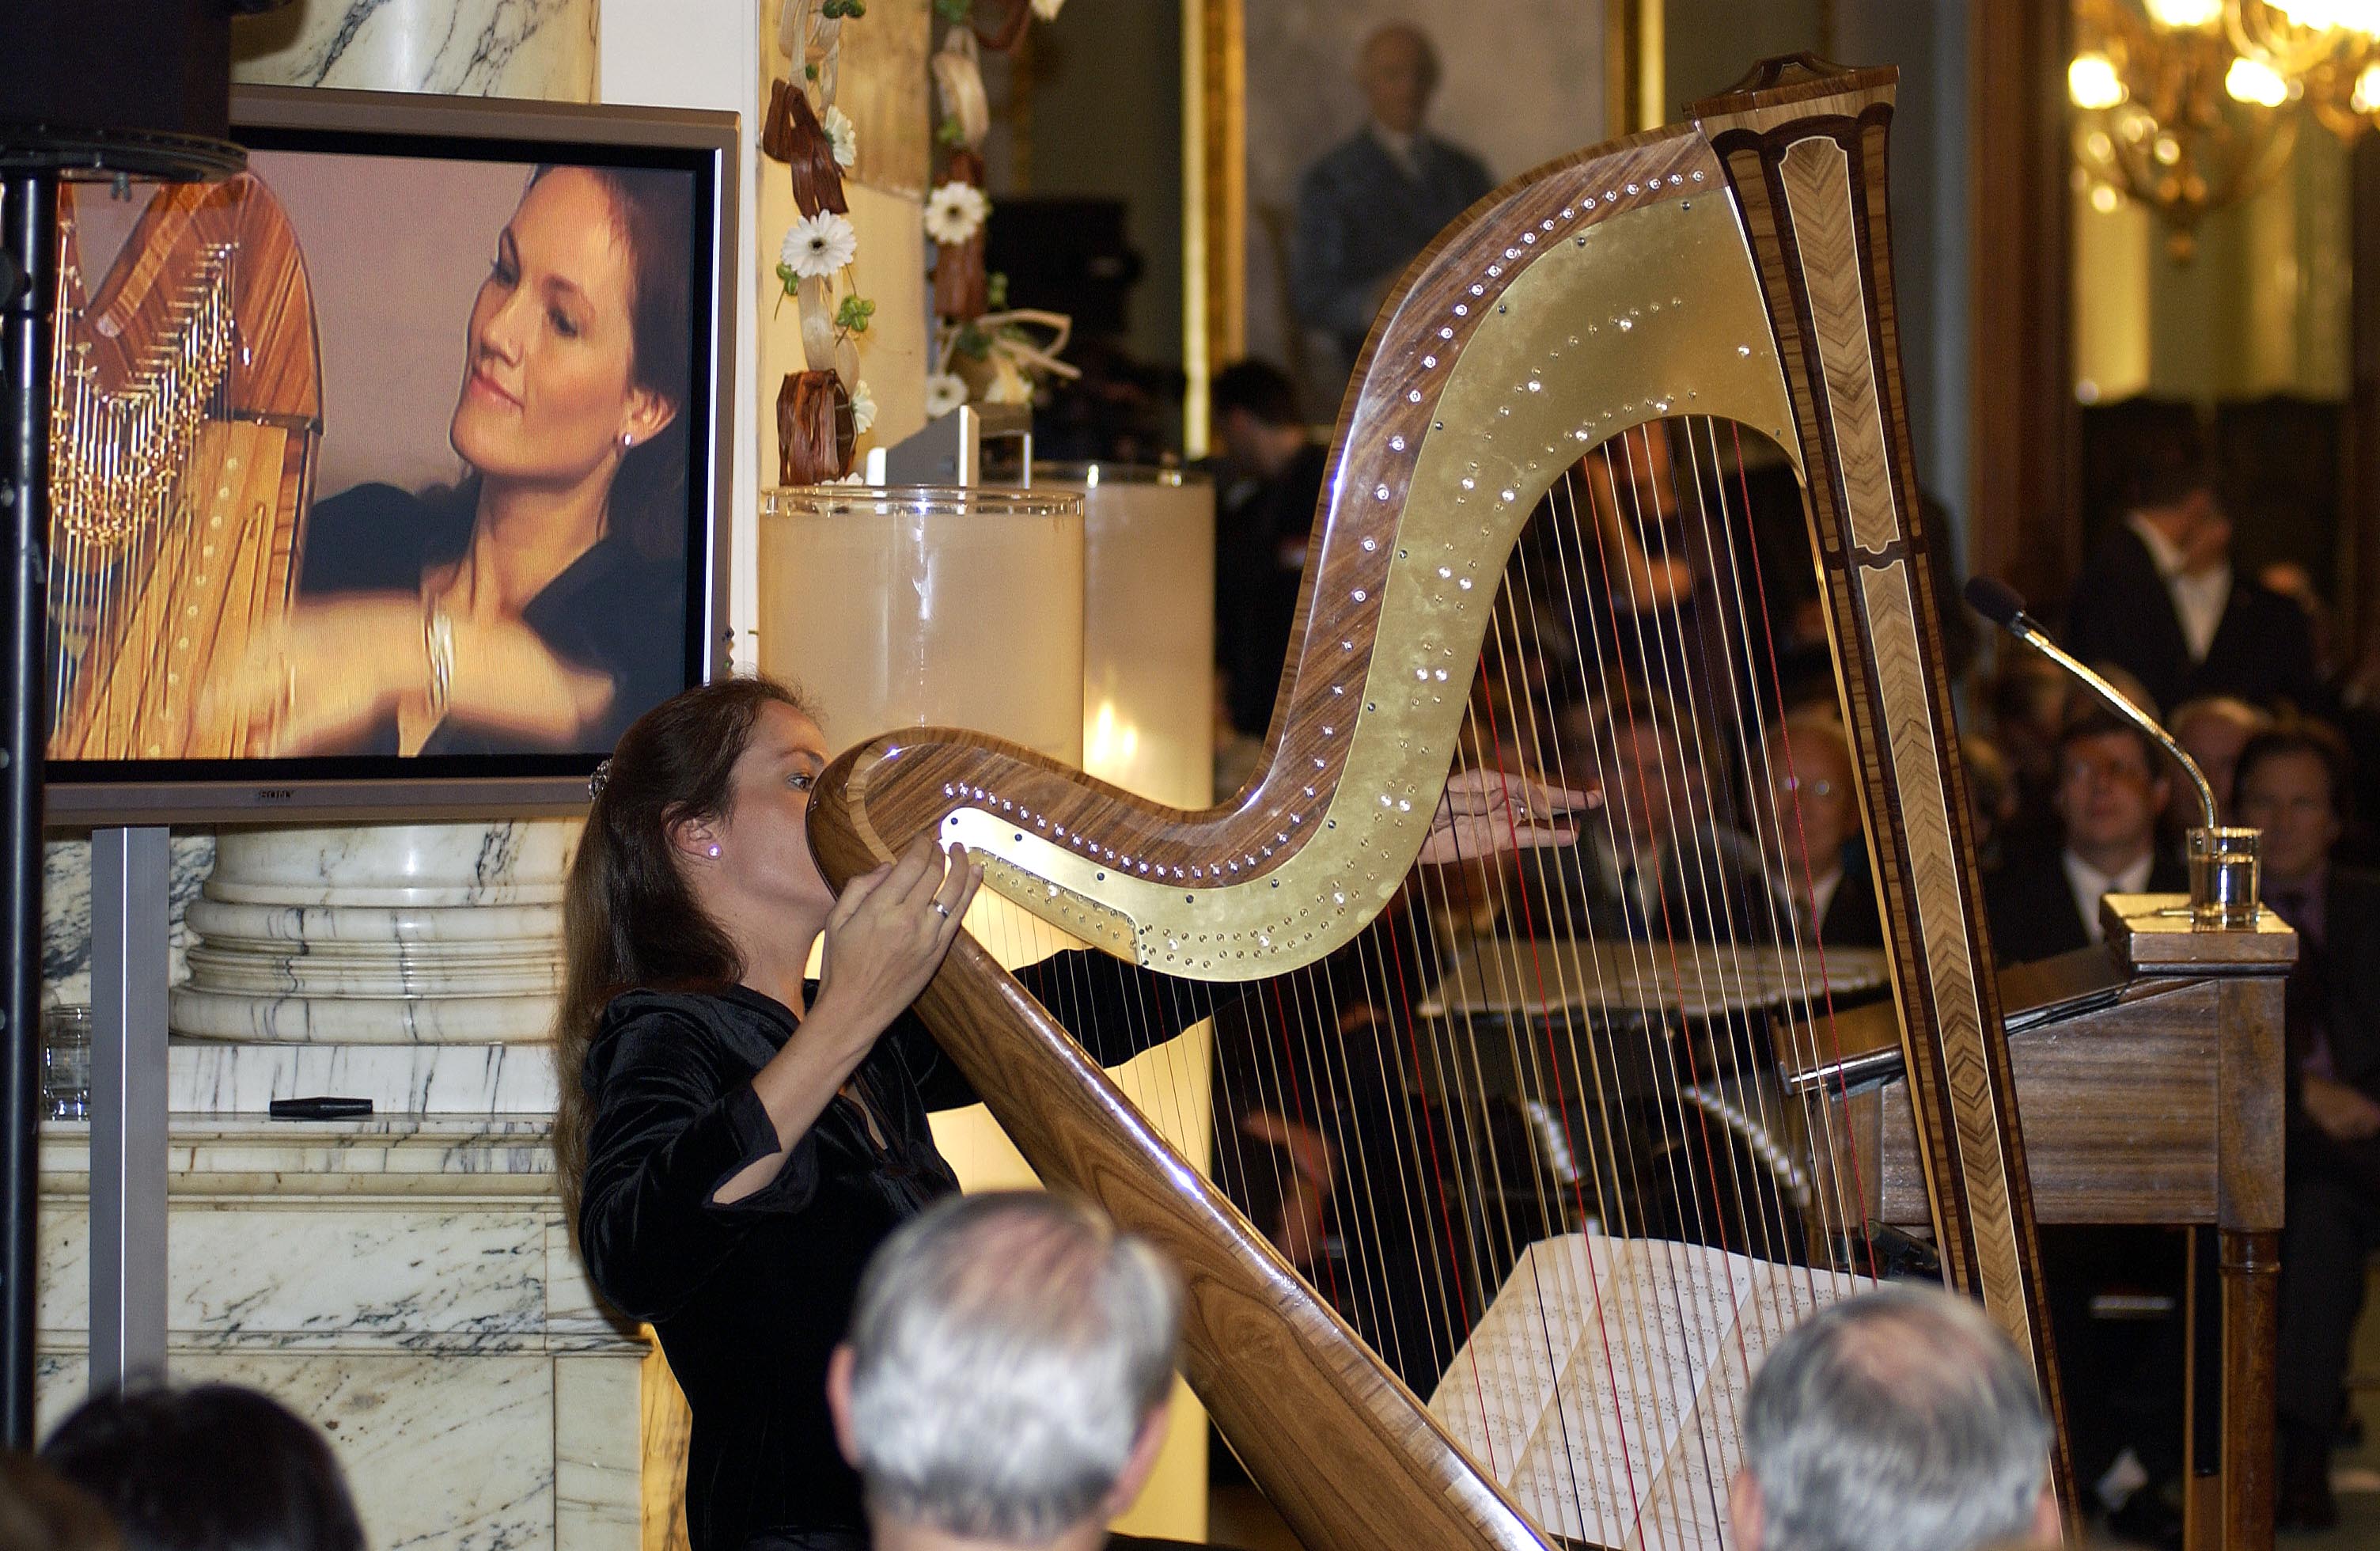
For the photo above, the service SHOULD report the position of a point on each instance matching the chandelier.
(2191, 105)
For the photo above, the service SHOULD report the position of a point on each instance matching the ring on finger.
(942, 908)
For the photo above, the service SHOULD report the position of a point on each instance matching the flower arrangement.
(822, 410)
(980, 349)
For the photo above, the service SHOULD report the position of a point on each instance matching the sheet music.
(1603, 1387)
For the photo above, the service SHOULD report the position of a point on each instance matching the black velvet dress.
(749, 1299)
(612, 609)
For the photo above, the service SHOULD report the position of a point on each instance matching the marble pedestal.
(409, 1285)
(405, 1281)
(415, 965)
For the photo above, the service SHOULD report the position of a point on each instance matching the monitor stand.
(130, 881)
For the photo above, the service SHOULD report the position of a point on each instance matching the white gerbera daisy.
(954, 212)
(944, 392)
(817, 246)
(842, 134)
(863, 409)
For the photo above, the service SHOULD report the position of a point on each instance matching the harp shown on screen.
(186, 411)
(1510, 1199)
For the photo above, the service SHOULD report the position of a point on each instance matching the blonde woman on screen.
(539, 605)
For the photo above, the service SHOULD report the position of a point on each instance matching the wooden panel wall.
(2023, 527)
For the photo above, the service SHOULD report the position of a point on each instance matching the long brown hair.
(628, 919)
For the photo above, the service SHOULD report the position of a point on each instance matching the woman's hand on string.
(1487, 812)
(887, 936)
(332, 670)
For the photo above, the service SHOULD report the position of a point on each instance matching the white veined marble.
(66, 911)
(407, 1285)
(439, 1079)
(518, 1451)
(507, 862)
(394, 934)
(474, 48)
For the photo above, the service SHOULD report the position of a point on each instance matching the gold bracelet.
(438, 652)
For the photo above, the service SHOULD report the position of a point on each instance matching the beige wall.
(395, 249)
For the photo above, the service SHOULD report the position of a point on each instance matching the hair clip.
(595, 783)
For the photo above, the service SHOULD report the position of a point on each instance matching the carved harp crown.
(1736, 267)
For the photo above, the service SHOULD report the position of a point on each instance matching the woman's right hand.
(888, 934)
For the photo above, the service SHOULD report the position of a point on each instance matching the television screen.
(387, 477)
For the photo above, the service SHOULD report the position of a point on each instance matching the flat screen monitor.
(390, 477)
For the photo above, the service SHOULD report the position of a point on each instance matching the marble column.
(412, 964)
(471, 48)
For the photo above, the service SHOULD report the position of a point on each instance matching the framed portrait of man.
(1338, 137)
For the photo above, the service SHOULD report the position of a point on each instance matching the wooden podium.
(2149, 1077)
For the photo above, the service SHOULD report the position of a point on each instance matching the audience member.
(2112, 785)
(1901, 1419)
(2214, 730)
(1824, 879)
(1658, 864)
(2159, 599)
(1006, 1377)
(1268, 481)
(214, 1468)
(1368, 206)
(42, 1511)
(2291, 780)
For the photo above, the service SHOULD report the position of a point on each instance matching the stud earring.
(626, 441)
(714, 852)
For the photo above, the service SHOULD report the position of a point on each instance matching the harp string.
(1684, 833)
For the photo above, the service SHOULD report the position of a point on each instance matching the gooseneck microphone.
(1998, 602)
(2224, 862)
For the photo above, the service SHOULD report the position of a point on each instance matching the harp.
(186, 409)
(1734, 271)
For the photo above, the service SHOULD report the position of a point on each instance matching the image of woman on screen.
(539, 604)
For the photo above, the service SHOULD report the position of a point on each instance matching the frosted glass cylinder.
(920, 606)
(1149, 626)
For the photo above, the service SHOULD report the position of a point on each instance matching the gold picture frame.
(1215, 166)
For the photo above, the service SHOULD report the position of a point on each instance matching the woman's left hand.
(1487, 812)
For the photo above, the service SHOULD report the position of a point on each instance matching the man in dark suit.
(2289, 783)
(1378, 198)
(1818, 859)
(1656, 864)
(2111, 787)
(2159, 599)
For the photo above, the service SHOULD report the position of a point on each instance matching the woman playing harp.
(736, 1139)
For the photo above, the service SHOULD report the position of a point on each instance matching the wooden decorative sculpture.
(186, 410)
(1736, 272)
